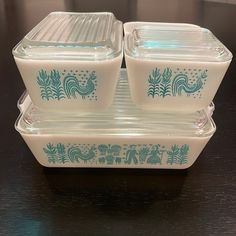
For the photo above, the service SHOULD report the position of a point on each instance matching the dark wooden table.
(41, 201)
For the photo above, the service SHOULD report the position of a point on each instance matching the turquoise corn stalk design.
(183, 154)
(154, 80)
(44, 83)
(173, 154)
(143, 153)
(62, 157)
(57, 88)
(51, 153)
(165, 86)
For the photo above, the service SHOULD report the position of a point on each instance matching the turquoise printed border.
(176, 83)
(56, 85)
(114, 154)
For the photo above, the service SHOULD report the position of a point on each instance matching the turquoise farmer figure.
(131, 155)
(155, 154)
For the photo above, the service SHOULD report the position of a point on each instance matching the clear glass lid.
(85, 36)
(123, 119)
(132, 25)
(177, 43)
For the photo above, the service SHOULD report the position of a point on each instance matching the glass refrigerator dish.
(71, 61)
(123, 136)
(173, 67)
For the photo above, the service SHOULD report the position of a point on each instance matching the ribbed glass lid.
(123, 119)
(85, 36)
(190, 44)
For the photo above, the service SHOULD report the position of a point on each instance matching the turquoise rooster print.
(73, 86)
(75, 153)
(175, 83)
(56, 85)
(180, 84)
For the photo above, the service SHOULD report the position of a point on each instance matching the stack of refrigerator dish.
(82, 110)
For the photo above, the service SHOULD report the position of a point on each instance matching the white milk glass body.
(173, 67)
(106, 72)
(139, 71)
(38, 144)
(70, 62)
(123, 136)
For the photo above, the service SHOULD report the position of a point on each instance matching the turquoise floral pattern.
(55, 85)
(176, 83)
(114, 154)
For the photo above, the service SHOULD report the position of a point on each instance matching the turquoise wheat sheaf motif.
(176, 83)
(73, 84)
(113, 154)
